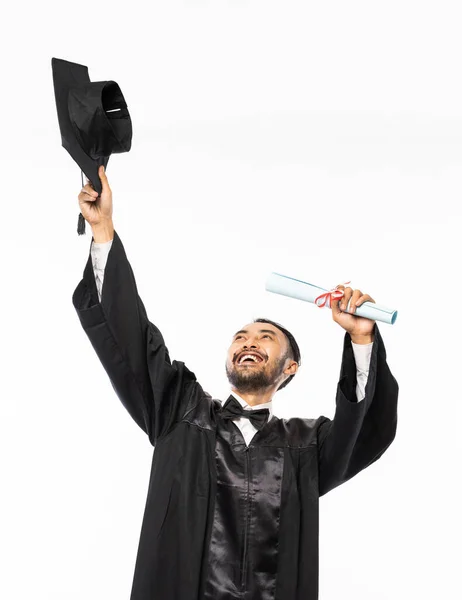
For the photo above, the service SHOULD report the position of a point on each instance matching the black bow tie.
(232, 409)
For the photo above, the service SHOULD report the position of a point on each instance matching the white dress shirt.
(362, 352)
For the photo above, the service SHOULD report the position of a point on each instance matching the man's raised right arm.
(156, 392)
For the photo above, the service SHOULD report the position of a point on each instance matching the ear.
(292, 368)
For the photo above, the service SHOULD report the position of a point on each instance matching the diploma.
(301, 290)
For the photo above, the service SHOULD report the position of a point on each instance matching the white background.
(322, 140)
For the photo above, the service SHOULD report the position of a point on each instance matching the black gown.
(224, 520)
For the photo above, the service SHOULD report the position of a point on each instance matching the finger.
(89, 190)
(346, 297)
(364, 298)
(354, 297)
(89, 184)
(86, 197)
(335, 303)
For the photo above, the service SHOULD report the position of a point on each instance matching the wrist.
(103, 232)
(362, 339)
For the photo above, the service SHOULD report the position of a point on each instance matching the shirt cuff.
(362, 353)
(99, 254)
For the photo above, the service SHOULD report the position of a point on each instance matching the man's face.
(257, 357)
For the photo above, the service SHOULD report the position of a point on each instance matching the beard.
(255, 379)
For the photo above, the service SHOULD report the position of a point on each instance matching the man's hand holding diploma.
(359, 328)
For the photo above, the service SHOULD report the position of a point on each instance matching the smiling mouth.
(250, 359)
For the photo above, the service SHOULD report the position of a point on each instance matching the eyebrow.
(260, 331)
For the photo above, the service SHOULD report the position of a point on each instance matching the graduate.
(232, 510)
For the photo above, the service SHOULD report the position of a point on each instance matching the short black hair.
(294, 352)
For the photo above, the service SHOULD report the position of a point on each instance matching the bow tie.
(232, 410)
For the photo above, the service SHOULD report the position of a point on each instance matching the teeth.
(254, 358)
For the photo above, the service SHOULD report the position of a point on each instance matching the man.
(232, 505)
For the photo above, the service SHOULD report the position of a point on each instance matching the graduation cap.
(93, 119)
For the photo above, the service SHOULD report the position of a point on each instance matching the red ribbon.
(327, 297)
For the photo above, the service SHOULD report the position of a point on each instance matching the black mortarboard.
(93, 119)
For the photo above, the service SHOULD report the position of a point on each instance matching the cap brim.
(65, 75)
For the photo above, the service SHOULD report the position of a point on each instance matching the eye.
(268, 336)
(237, 337)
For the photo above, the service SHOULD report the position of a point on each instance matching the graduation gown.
(224, 520)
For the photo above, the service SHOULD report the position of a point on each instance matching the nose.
(251, 345)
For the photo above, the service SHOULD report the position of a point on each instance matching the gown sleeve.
(359, 432)
(156, 391)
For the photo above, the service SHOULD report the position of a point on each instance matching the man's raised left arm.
(365, 419)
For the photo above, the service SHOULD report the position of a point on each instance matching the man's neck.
(253, 399)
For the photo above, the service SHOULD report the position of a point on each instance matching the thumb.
(102, 176)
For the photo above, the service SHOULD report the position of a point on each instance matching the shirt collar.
(243, 403)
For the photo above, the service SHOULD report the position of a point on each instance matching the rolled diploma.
(301, 290)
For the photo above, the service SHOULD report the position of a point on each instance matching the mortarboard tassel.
(81, 221)
(81, 225)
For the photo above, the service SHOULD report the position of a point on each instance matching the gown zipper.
(244, 556)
